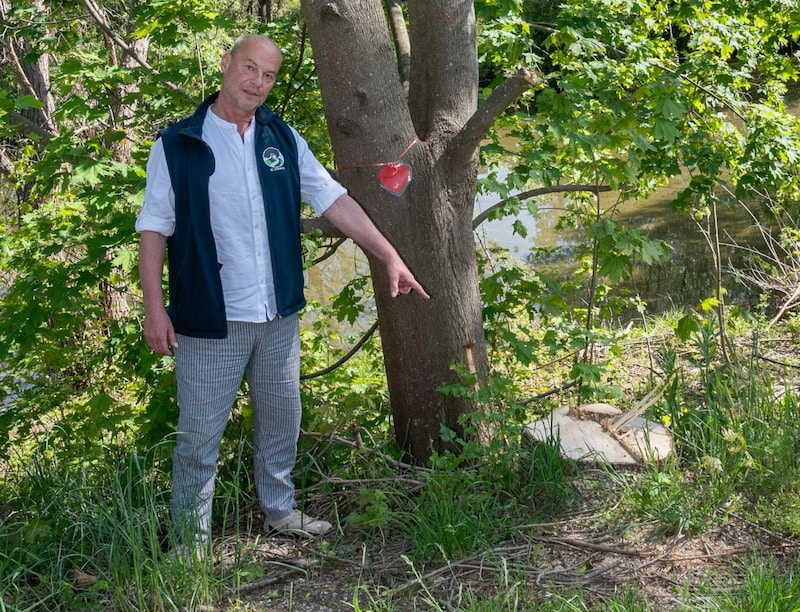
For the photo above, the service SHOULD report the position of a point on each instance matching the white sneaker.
(298, 523)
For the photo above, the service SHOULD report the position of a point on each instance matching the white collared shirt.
(238, 220)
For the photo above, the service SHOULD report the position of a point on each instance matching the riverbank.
(506, 527)
(717, 527)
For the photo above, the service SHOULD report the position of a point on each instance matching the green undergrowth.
(91, 531)
(735, 426)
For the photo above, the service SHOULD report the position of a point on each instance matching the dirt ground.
(597, 550)
(583, 552)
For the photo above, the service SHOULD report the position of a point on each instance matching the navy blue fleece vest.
(196, 302)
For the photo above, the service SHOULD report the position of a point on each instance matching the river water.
(684, 281)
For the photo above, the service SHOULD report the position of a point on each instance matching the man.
(223, 193)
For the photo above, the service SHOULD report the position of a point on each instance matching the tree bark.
(371, 123)
(33, 76)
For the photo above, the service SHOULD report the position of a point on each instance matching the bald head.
(247, 39)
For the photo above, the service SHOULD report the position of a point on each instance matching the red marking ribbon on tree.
(394, 176)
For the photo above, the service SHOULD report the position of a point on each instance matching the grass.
(454, 516)
(92, 533)
(92, 538)
(738, 441)
(758, 583)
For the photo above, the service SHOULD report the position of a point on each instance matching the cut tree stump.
(602, 433)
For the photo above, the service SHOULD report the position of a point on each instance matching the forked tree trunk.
(430, 224)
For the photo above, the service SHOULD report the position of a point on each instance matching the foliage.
(109, 520)
(639, 93)
(70, 337)
(636, 94)
(473, 494)
(763, 584)
(471, 497)
(351, 398)
(71, 319)
(735, 435)
(443, 526)
(92, 540)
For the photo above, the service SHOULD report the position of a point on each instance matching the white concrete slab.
(588, 434)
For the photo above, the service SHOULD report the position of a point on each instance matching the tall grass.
(93, 537)
(456, 515)
(757, 583)
(737, 443)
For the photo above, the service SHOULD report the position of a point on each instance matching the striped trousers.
(209, 374)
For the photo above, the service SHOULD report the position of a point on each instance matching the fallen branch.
(588, 545)
(785, 364)
(257, 585)
(391, 461)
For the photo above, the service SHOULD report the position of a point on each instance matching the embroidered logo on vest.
(273, 158)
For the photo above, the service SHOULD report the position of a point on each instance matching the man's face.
(248, 76)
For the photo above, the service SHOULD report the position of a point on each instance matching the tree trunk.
(430, 224)
(33, 76)
(401, 40)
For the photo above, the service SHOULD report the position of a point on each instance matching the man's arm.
(346, 214)
(158, 330)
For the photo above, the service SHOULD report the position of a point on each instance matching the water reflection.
(684, 281)
(325, 280)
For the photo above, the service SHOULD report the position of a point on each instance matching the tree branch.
(26, 126)
(294, 86)
(537, 192)
(330, 251)
(96, 14)
(328, 229)
(6, 165)
(463, 146)
(341, 361)
(23, 77)
(402, 42)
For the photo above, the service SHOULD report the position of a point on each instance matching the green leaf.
(666, 130)
(670, 108)
(615, 267)
(27, 101)
(654, 251)
(709, 304)
(687, 325)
